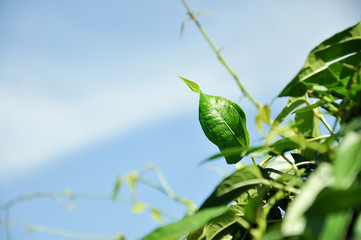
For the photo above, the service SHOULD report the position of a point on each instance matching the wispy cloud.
(36, 127)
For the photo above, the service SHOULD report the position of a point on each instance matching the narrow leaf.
(118, 183)
(188, 224)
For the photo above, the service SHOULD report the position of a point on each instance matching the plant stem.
(300, 164)
(219, 56)
(264, 161)
(318, 138)
(321, 117)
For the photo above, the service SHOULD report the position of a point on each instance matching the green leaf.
(224, 123)
(234, 185)
(295, 221)
(308, 124)
(315, 69)
(186, 225)
(347, 163)
(192, 85)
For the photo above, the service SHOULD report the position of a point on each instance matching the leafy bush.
(308, 185)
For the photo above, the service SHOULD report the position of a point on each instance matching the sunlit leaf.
(224, 123)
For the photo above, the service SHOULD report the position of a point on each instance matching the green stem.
(280, 186)
(300, 164)
(219, 56)
(264, 161)
(318, 138)
(164, 183)
(293, 165)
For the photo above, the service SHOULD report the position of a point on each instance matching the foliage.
(308, 185)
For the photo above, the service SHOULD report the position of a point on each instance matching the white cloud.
(36, 127)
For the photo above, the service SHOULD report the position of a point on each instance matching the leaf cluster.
(308, 184)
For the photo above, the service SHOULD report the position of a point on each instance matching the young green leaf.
(224, 123)
(192, 85)
(186, 225)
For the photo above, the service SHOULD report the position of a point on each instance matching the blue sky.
(89, 90)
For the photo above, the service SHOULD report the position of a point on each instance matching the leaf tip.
(192, 85)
